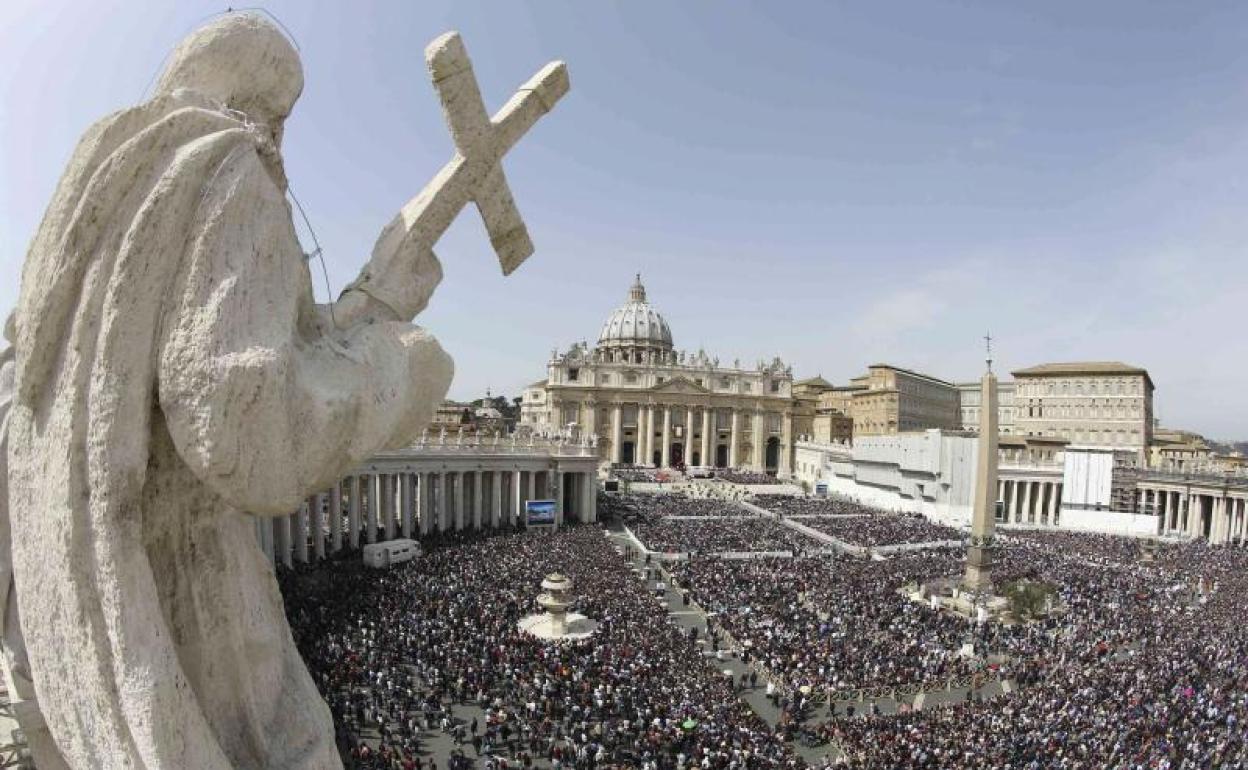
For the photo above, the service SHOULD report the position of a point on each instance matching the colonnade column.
(370, 511)
(1013, 502)
(460, 493)
(318, 527)
(407, 491)
(517, 492)
(1026, 514)
(424, 504)
(496, 497)
(557, 475)
(645, 432)
(476, 497)
(265, 523)
(734, 459)
(1054, 493)
(301, 533)
(387, 503)
(617, 433)
(667, 437)
(353, 513)
(335, 518)
(282, 539)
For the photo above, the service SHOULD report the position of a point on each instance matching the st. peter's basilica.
(652, 405)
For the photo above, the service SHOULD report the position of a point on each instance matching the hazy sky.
(834, 183)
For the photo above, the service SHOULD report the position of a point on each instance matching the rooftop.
(1083, 368)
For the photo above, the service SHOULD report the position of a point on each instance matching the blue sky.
(833, 183)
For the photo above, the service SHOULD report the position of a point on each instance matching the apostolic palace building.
(649, 404)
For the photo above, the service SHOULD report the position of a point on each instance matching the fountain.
(556, 622)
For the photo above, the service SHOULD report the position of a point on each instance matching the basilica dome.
(636, 324)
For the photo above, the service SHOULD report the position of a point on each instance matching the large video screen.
(539, 512)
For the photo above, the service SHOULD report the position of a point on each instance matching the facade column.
(1028, 516)
(645, 432)
(656, 426)
(590, 420)
(734, 458)
(335, 518)
(617, 433)
(784, 468)
(1013, 512)
(707, 460)
(1053, 495)
(353, 515)
(758, 441)
(318, 524)
(688, 439)
(667, 436)
(587, 493)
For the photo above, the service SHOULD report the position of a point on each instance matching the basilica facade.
(649, 404)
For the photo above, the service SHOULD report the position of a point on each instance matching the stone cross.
(475, 172)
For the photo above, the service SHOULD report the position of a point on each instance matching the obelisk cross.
(988, 349)
(475, 172)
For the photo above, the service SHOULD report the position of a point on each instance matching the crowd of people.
(805, 505)
(678, 523)
(744, 476)
(1140, 662)
(882, 530)
(1155, 676)
(401, 653)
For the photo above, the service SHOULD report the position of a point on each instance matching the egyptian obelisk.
(978, 578)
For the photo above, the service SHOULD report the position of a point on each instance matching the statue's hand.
(395, 285)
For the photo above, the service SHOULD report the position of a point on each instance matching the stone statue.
(173, 378)
(16, 662)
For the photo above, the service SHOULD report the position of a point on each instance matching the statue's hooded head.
(244, 62)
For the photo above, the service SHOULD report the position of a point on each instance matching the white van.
(390, 552)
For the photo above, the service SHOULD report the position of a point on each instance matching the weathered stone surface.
(173, 378)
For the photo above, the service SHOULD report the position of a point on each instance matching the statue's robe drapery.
(174, 378)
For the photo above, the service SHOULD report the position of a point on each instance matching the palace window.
(574, 374)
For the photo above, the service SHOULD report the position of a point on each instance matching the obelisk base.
(978, 577)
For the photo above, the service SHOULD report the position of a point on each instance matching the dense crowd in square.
(883, 530)
(393, 652)
(1142, 664)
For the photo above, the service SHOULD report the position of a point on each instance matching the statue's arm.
(264, 403)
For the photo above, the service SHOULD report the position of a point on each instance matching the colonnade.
(1026, 501)
(700, 437)
(1189, 512)
(368, 507)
